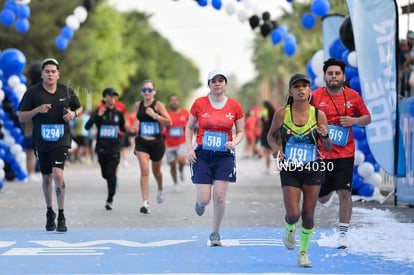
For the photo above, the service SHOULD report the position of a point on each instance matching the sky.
(212, 38)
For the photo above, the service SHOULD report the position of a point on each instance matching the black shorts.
(338, 176)
(155, 148)
(125, 140)
(297, 178)
(81, 141)
(53, 158)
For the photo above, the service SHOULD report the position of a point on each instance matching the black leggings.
(109, 164)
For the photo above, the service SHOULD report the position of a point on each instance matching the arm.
(323, 131)
(276, 142)
(189, 130)
(25, 116)
(348, 121)
(160, 114)
(239, 134)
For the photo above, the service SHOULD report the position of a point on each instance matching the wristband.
(155, 116)
(76, 114)
(325, 136)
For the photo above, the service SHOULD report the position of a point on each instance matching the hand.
(230, 145)
(69, 115)
(347, 121)
(191, 156)
(44, 108)
(150, 112)
(101, 110)
(322, 130)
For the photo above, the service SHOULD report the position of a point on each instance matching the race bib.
(300, 152)
(149, 129)
(339, 135)
(108, 131)
(176, 132)
(52, 132)
(214, 141)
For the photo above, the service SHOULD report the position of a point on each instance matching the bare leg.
(219, 199)
(156, 170)
(143, 159)
(47, 189)
(59, 187)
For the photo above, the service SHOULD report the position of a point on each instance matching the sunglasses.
(149, 90)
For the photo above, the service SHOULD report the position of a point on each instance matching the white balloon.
(317, 63)
(2, 174)
(9, 141)
(242, 15)
(21, 158)
(375, 179)
(230, 9)
(81, 13)
(1, 83)
(1, 164)
(22, 2)
(359, 157)
(72, 22)
(2, 95)
(365, 169)
(319, 81)
(352, 59)
(20, 89)
(16, 149)
(13, 81)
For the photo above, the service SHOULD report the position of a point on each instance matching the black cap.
(50, 61)
(109, 91)
(298, 77)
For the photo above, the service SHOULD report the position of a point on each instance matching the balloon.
(276, 36)
(355, 84)
(357, 181)
(88, 4)
(375, 179)
(61, 43)
(242, 15)
(73, 22)
(11, 5)
(309, 70)
(23, 11)
(283, 29)
(346, 34)
(319, 81)
(216, 4)
(336, 49)
(366, 190)
(81, 13)
(377, 167)
(202, 3)
(352, 59)
(2, 175)
(266, 28)
(12, 61)
(359, 132)
(254, 21)
(363, 146)
(370, 158)
(350, 72)
(16, 149)
(289, 48)
(2, 96)
(320, 7)
(317, 63)
(7, 17)
(359, 157)
(67, 32)
(365, 169)
(229, 8)
(308, 21)
(344, 56)
(13, 81)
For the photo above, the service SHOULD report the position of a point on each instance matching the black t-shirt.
(50, 129)
(108, 138)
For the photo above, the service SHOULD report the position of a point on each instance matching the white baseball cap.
(213, 73)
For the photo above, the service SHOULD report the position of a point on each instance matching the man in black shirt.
(51, 106)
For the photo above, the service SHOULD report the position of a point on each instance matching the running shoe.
(108, 206)
(199, 209)
(328, 202)
(342, 241)
(160, 196)
(215, 239)
(182, 176)
(145, 209)
(61, 224)
(50, 220)
(303, 259)
(289, 239)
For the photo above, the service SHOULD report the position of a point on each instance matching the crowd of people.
(406, 66)
(298, 139)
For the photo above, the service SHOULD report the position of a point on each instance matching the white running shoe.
(145, 209)
(289, 239)
(160, 196)
(342, 241)
(329, 202)
(303, 259)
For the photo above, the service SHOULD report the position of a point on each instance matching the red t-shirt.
(348, 103)
(218, 120)
(175, 134)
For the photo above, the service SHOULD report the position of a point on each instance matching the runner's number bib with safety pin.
(108, 131)
(300, 152)
(149, 129)
(52, 132)
(339, 135)
(214, 141)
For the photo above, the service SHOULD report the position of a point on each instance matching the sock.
(305, 238)
(290, 227)
(175, 181)
(180, 168)
(343, 228)
(60, 213)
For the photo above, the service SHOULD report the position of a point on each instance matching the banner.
(374, 24)
(330, 31)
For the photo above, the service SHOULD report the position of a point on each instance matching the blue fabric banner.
(374, 24)
(330, 31)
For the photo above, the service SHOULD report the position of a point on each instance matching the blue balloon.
(350, 72)
(290, 38)
(309, 70)
(370, 158)
(12, 61)
(364, 147)
(7, 17)
(8, 124)
(16, 132)
(23, 78)
(345, 56)
(320, 7)
(21, 175)
(23, 11)
(67, 32)
(2, 153)
(289, 48)
(308, 21)
(202, 3)
(336, 49)
(377, 167)
(11, 5)
(216, 4)
(61, 43)
(357, 181)
(2, 114)
(22, 25)
(359, 132)
(366, 190)
(355, 84)
(276, 36)
(283, 29)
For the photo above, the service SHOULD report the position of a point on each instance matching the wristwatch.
(76, 114)
(324, 136)
(156, 116)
